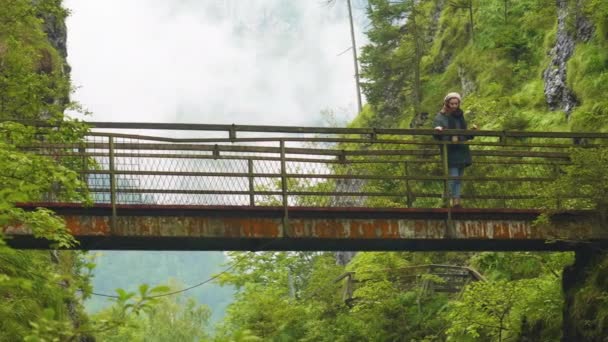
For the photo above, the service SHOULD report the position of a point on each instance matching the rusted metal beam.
(254, 228)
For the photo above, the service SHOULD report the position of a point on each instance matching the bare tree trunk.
(417, 57)
(471, 20)
(354, 47)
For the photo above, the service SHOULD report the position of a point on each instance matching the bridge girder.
(162, 227)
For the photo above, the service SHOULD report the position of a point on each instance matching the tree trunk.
(354, 47)
(471, 20)
(417, 59)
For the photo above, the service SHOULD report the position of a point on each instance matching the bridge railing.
(427, 278)
(181, 164)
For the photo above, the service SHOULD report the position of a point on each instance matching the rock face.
(467, 84)
(557, 93)
(584, 27)
(434, 21)
(581, 321)
(57, 34)
(343, 258)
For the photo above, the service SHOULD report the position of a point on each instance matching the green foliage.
(273, 304)
(588, 77)
(144, 316)
(32, 82)
(582, 184)
(590, 301)
(495, 310)
(34, 87)
(597, 10)
(501, 266)
(268, 287)
(500, 73)
(127, 269)
(40, 290)
(391, 63)
(28, 177)
(523, 291)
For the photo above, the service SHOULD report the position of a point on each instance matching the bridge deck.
(172, 227)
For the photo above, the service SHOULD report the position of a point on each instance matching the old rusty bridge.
(231, 187)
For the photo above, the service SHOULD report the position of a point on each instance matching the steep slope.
(535, 65)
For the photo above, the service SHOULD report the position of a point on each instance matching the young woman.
(459, 155)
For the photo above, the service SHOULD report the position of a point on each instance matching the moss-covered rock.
(585, 286)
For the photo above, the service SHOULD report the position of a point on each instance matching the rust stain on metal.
(260, 227)
(501, 229)
(479, 230)
(83, 225)
(297, 229)
(330, 228)
(255, 228)
(17, 229)
(145, 226)
(373, 229)
(435, 230)
(420, 228)
(520, 230)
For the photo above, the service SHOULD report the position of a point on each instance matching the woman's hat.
(452, 96)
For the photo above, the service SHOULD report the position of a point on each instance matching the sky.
(270, 62)
(261, 62)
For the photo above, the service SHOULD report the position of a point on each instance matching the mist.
(220, 62)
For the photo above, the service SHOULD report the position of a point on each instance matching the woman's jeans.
(454, 184)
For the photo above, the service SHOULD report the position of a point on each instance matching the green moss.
(587, 71)
(451, 36)
(31, 73)
(588, 78)
(548, 121)
(590, 308)
(592, 118)
(530, 96)
(597, 11)
(435, 87)
(363, 118)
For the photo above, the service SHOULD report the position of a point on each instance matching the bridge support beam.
(145, 227)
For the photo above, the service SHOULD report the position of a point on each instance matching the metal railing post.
(446, 173)
(251, 182)
(82, 151)
(112, 172)
(408, 189)
(284, 188)
(556, 173)
(446, 188)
